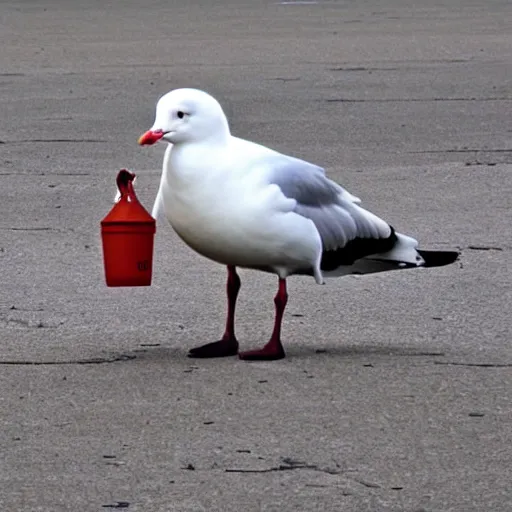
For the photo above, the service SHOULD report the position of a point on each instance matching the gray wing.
(335, 212)
(305, 182)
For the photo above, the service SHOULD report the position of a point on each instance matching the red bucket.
(127, 234)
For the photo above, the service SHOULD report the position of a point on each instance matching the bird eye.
(180, 114)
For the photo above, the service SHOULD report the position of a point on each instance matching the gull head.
(187, 115)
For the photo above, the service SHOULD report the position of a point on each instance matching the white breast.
(232, 219)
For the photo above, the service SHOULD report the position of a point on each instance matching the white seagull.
(245, 205)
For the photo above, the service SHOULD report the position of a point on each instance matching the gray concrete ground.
(396, 395)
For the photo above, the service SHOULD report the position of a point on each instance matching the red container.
(127, 234)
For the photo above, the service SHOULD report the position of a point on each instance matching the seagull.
(244, 205)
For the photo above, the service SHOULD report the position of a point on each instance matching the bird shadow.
(351, 351)
(162, 353)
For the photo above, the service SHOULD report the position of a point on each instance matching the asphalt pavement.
(396, 395)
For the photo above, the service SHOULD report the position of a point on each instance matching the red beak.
(150, 137)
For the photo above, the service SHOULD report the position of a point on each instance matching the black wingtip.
(439, 258)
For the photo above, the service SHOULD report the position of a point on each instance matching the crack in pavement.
(463, 150)
(476, 365)
(362, 68)
(25, 141)
(484, 248)
(290, 464)
(407, 100)
(50, 174)
(370, 485)
(39, 324)
(28, 229)
(284, 467)
(92, 360)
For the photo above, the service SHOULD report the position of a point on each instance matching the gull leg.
(274, 348)
(228, 344)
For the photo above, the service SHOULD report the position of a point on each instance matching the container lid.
(128, 209)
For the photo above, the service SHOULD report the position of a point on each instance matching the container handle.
(124, 182)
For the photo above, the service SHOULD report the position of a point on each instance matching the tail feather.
(372, 265)
(439, 258)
